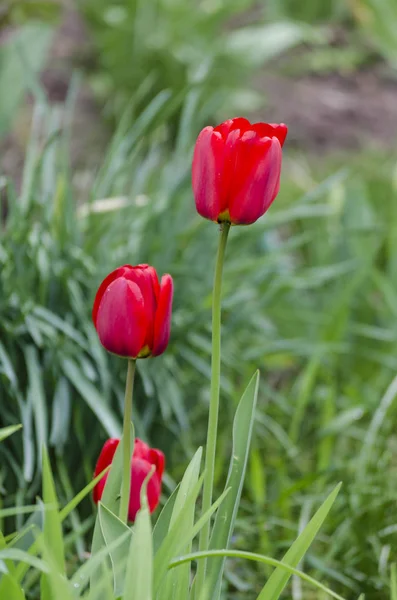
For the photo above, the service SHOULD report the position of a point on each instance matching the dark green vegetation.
(310, 293)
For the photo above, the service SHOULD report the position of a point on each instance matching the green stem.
(214, 404)
(126, 441)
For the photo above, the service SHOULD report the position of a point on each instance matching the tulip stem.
(214, 404)
(127, 450)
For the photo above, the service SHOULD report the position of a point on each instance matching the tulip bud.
(236, 170)
(132, 312)
(144, 459)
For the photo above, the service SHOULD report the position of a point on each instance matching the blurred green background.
(100, 105)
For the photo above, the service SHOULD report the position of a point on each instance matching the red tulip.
(236, 170)
(132, 311)
(143, 459)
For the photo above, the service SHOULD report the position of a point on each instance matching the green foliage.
(316, 312)
(310, 298)
(22, 57)
(144, 48)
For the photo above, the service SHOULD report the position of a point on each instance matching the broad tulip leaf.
(177, 582)
(112, 528)
(179, 535)
(110, 499)
(95, 569)
(226, 516)
(10, 589)
(139, 575)
(162, 525)
(279, 578)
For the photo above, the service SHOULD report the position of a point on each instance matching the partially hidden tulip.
(236, 170)
(144, 459)
(132, 312)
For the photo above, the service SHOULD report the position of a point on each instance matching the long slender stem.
(127, 454)
(214, 404)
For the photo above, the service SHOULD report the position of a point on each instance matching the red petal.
(104, 285)
(207, 169)
(122, 320)
(141, 450)
(146, 279)
(231, 124)
(271, 130)
(140, 469)
(157, 458)
(258, 174)
(105, 459)
(280, 131)
(162, 322)
(231, 150)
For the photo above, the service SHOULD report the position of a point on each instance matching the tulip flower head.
(236, 170)
(144, 459)
(132, 312)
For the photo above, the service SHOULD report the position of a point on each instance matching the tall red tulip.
(236, 170)
(132, 311)
(143, 459)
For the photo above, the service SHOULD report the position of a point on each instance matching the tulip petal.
(257, 178)
(230, 125)
(157, 458)
(162, 321)
(207, 168)
(140, 469)
(104, 285)
(146, 279)
(141, 449)
(105, 459)
(278, 130)
(122, 320)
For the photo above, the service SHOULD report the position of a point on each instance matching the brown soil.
(89, 135)
(331, 113)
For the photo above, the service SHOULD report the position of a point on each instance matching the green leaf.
(93, 568)
(279, 578)
(176, 586)
(37, 399)
(179, 535)
(267, 560)
(110, 499)
(92, 397)
(10, 589)
(54, 584)
(162, 525)
(65, 512)
(112, 528)
(253, 45)
(61, 413)
(5, 432)
(20, 59)
(24, 557)
(52, 533)
(7, 369)
(226, 516)
(393, 582)
(139, 576)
